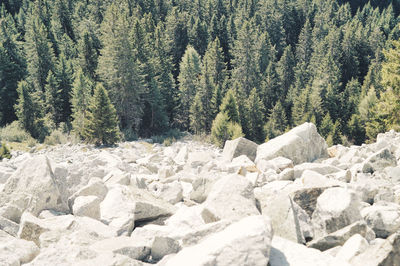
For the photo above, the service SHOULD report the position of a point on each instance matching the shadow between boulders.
(277, 258)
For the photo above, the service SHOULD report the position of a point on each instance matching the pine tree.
(229, 107)
(277, 122)
(326, 126)
(39, 53)
(246, 72)
(64, 77)
(88, 54)
(255, 117)
(119, 69)
(189, 83)
(164, 71)
(29, 110)
(197, 119)
(80, 97)
(101, 123)
(270, 88)
(285, 71)
(53, 100)
(12, 70)
(217, 69)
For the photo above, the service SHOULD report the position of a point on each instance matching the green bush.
(168, 137)
(223, 130)
(4, 152)
(14, 133)
(56, 137)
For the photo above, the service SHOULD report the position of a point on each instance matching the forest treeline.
(227, 67)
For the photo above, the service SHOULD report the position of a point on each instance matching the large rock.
(320, 168)
(287, 253)
(122, 245)
(34, 187)
(383, 218)
(306, 198)
(171, 192)
(246, 242)
(231, 198)
(353, 247)
(87, 206)
(163, 246)
(301, 144)
(335, 209)
(118, 209)
(15, 251)
(378, 161)
(124, 205)
(381, 253)
(284, 215)
(32, 228)
(8, 226)
(339, 237)
(239, 146)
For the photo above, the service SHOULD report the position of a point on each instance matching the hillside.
(226, 68)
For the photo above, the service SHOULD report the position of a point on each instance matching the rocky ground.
(291, 201)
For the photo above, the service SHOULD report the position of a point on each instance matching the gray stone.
(246, 242)
(335, 209)
(339, 237)
(301, 144)
(239, 146)
(378, 161)
(231, 197)
(163, 246)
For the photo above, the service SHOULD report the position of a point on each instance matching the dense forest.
(222, 67)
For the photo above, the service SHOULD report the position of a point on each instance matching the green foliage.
(14, 133)
(170, 64)
(29, 110)
(56, 137)
(189, 79)
(168, 137)
(223, 129)
(80, 97)
(229, 107)
(101, 122)
(277, 122)
(255, 117)
(4, 151)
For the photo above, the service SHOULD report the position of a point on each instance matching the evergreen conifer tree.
(255, 117)
(80, 97)
(189, 81)
(101, 123)
(29, 110)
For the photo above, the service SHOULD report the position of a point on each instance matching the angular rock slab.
(336, 208)
(239, 146)
(34, 187)
(15, 251)
(301, 144)
(288, 253)
(246, 242)
(382, 253)
(339, 237)
(232, 198)
(383, 219)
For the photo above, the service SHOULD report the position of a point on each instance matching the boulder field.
(290, 201)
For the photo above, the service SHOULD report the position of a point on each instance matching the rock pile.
(290, 201)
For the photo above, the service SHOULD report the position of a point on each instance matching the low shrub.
(4, 152)
(14, 133)
(168, 137)
(57, 137)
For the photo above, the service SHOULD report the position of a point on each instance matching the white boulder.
(301, 144)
